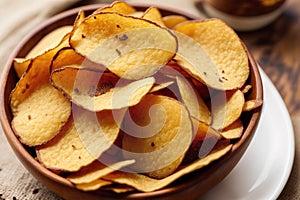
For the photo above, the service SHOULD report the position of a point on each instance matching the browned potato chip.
(154, 15)
(162, 129)
(124, 45)
(50, 41)
(95, 171)
(91, 186)
(226, 108)
(65, 152)
(147, 184)
(233, 131)
(226, 52)
(252, 104)
(97, 95)
(98, 131)
(119, 7)
(39, 110)
(172, 20)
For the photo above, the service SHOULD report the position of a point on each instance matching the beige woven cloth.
(17, 18)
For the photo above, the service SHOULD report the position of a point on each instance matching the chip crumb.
(152, 144)
(95, 17)
(118, 26)
(82, 35)
(35, 191)
(29, 117)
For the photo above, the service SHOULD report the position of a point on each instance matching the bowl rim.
(19, 149)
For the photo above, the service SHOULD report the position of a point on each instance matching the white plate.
(266, 165)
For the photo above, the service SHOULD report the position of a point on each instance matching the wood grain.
(276, 49)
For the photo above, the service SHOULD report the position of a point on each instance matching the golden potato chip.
(105, 95)
(66, 57)
(162, 129)
(233, 131)
(22, 64)
(97, 131)
(36, 74)
(171, 21)
(40, 116)
(119, 7)
(50, 41)
(146, 184)
(66, 151)
(80, 17)
(124, 44)
(119, 188)
(154, 15)
(91, 186)
(95, 171)
(227, 52)
(193, 58)
(193, 101)
(39, 110)
(226, 108)
(246, 88)
(252, 104)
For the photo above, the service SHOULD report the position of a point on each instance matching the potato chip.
(95, 171)
(39, 110)
(66, 57)
(146, 184)
(193, 101)
(162, 129)
(205, 139)
(50, 41)
(119, 188)
(119, 7)
(104, 95)
(122, 44)
(37, 73)
(22, 64)
(245, 89)
(229, 58)
(233, 131)
(79, 19)
(252, 104)
(154, 15)
(171, 21)
(39, 117)
(226, 108)
(91, 186)
(97, 131)
(193, 58)
(65, 152)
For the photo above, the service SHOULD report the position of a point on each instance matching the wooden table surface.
(277, 50)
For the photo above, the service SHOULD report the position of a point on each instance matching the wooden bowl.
(192, 185)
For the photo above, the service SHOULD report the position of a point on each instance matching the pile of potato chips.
(128, 100)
